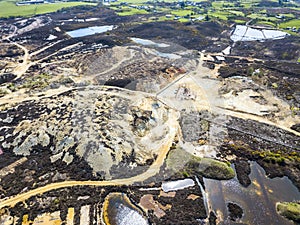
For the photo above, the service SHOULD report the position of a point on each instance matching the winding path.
(153, 169)
(24, 66)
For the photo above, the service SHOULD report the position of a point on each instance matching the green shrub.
(290, 210)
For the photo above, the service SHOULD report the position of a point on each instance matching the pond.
(258, 200)
(149, 43)
(89, 31)
(245, 33)
(177, 185)
(119, 210)
(167, 55)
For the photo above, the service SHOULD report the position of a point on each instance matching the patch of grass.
(185, 174)
(265, 23)
(279, 157)
(295, 8)
(132, 1)
(290, 23)
(217, 5)
(290, 210)
(183, 20)
(182, 12)
(160, 19)
(223, 15)
(255, 16)
(246, 5)
(131, 11)
(239, 21)
(115, 8)
(36, 82)
(237, 13)
(263, 17)
(222, 4)
(288, 15)
(211, 168)
(186, 164)
(9, 8)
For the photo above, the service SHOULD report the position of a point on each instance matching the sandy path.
(18, 97)
(24, 66)
(153, 169)
(118, 64)
(247, 116)
(44, 48)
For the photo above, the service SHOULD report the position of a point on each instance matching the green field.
(126, 11)
(288, 15)
(222, 4)
(265, 23)
(239, 12)
(263, 17)
(216, 12)
(9, 8)
(135, 2)
(240, 22)
(182, 12)
(291, 23)
(129, 2)
(223, 15)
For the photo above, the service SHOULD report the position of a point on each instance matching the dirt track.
(154, 168)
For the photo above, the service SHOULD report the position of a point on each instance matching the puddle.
(118, 210)
(167, 55)
(89, 31)
(149, 43)
(177, 185)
